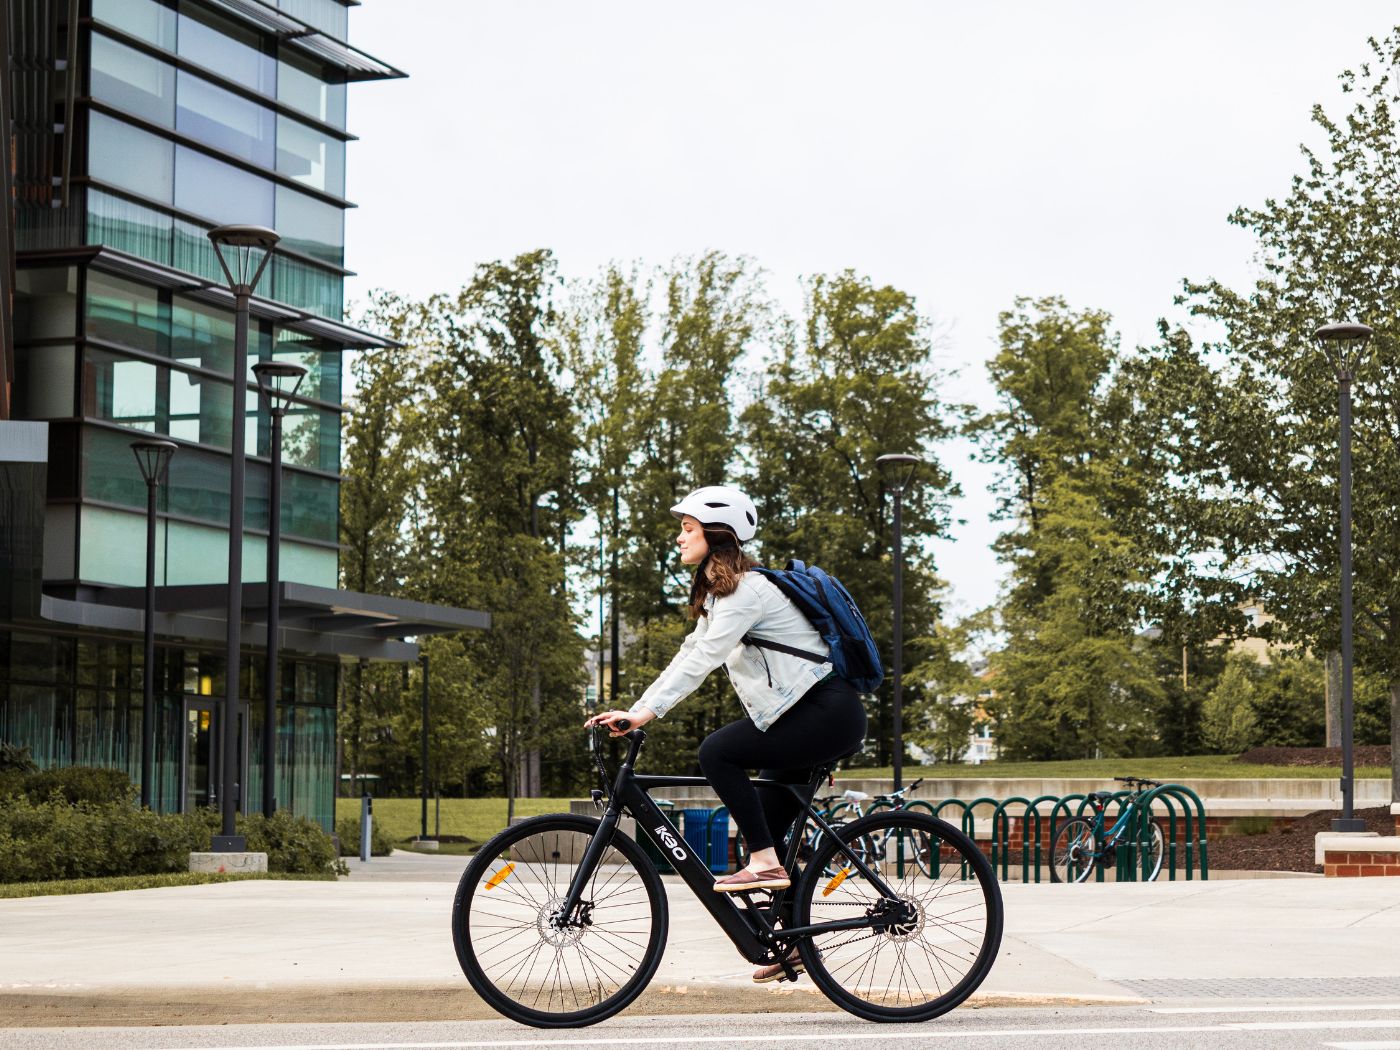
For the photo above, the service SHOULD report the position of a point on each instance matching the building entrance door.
(202, 753)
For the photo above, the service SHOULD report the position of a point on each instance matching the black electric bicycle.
(561, 920)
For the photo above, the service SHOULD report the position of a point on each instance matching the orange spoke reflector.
(500, 877)
(840, 878)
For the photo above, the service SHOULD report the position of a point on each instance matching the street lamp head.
(278, 382)
(1343, 343)
(898, 469)
(243, 253)
(153, 457)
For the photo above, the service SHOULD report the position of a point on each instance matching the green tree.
(498, 438)
(854, 380)
(1075, 678)
(1228, 722)
(1257, 407)
(378, 479)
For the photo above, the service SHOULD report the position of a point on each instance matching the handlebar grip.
(623, 724)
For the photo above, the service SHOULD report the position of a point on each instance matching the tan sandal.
(775, 971)
(744, 880)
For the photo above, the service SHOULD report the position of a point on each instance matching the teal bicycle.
(1080, 844)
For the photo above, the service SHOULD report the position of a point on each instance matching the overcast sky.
(967, 153)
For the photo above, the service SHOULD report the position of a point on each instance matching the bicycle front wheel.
(514, 945)
(926, 951)
(1072, 851)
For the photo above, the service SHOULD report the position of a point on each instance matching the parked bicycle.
(841, 809)
(561, 920)
(1080, 844)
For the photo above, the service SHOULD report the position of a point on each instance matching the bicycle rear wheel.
(548, 975)
(925, 954)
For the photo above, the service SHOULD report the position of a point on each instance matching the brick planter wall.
(1360, 863)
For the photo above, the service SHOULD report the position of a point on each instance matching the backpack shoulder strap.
(779, 647)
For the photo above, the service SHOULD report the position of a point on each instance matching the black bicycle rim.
(911, 971)
(537, 974)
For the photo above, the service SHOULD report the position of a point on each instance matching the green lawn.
(135, 882)
(476, 818)
(1189, 767)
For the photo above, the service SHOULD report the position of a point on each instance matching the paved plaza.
(377, 946)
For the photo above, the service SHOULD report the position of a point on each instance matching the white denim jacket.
(768, 682)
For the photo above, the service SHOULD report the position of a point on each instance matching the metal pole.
(271, 671)
(616, 635)
(148, 674)
(423, 831)
(898, 637)
(229, 841)
(1348, 821)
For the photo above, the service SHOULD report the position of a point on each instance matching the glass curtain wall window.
(152, 89)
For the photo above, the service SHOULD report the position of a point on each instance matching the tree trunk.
(1395, 741)
(1333, 699)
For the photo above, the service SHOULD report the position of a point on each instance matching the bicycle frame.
(751, 930)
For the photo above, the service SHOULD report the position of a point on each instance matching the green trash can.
(658, 858)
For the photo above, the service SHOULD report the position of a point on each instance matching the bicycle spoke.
(536, 957)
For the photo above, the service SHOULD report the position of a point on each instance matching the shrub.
(50, 839)
(78, 784)
(293, 844)
(380, 845)
(16, 759)
(11, 783)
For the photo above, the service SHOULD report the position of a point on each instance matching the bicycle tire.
(959, 924)
(1158, 849)
(1068, 843)
(499, 940)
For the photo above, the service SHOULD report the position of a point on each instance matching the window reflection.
(311, 157)
(227, 48)
(318, 92)
(220, 192)
(120, 389)
(224, 120)
(125, 312)
(132, 81)
(130, 159)
(144, 19)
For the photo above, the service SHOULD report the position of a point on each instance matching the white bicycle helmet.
(721, 505)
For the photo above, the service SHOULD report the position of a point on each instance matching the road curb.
(329, 1004)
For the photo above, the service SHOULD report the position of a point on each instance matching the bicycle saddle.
(1099, 796)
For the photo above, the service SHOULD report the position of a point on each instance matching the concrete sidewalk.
(378, 945)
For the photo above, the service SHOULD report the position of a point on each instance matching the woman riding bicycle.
(799, 714)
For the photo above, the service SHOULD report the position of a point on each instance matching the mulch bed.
(1292, 849)
(1364, 755)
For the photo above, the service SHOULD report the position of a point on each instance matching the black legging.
(827, 723)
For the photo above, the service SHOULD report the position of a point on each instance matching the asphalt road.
(1255, 1026)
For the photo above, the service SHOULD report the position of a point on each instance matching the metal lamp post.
(153, 457)
(278, 383)
(1343, 344)
(898, 469)
(243, 253)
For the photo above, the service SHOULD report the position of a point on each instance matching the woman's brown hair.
(719, 574)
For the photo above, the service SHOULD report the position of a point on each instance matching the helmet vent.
(719, 505)
(750, 517)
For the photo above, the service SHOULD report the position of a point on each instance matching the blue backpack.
(833, 612)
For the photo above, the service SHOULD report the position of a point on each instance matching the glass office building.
(140, 126)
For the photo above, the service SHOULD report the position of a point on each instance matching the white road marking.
(1310, 1026)
(827, 1037)
(1302, 1009)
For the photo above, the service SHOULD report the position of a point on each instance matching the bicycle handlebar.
(1138, 780)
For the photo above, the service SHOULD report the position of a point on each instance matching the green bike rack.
(1182, 809)
(1193, 825)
